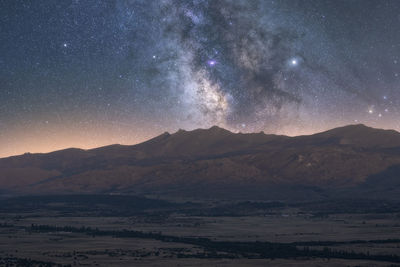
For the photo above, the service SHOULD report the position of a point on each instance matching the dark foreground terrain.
(208, 197)
(108, 230)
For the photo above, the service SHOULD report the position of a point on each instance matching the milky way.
(90, 73)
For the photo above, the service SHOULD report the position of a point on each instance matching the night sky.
(87, 73)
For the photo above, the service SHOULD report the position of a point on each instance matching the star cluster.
(88, 73)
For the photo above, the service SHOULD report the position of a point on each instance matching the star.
(293, 62)
(211, 62)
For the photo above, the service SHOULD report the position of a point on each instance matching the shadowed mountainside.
(350, 160)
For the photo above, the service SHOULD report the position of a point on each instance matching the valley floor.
(52, 233)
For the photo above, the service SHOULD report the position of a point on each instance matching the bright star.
(211, 62)
(294, 62)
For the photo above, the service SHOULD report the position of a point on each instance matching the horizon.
(171, 133)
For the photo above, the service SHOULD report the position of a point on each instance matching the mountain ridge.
(181, 131)
(213, 161)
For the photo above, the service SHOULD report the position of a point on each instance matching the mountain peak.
(214, 130)
(362, 135)
(359, 126)
(357, 129)
(217, 128)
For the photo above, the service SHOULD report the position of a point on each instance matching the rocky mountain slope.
(355, 160)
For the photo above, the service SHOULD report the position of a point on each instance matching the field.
(127, 230)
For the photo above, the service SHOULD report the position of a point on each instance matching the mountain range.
(350, 161)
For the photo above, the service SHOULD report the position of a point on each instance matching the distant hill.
(354, 160)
